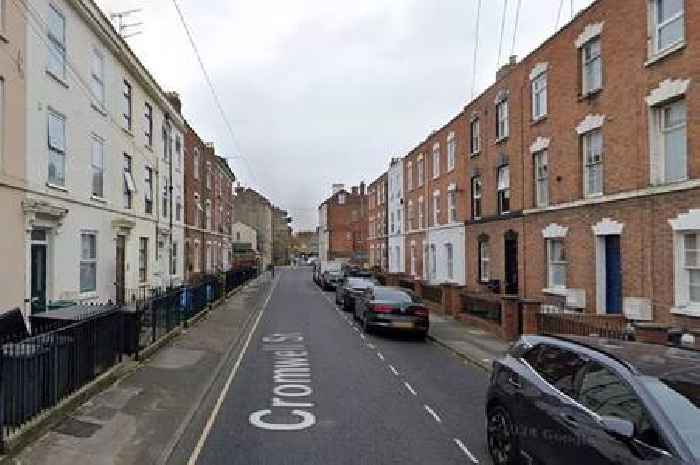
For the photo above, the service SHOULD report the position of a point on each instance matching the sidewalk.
(472, 344)
(139, 419)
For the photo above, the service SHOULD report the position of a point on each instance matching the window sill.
(560, 291)
(688, 310)
(660, 55)
(593, 196)
(538, 120)
(98, 108)
(58, 79)
(148, 147)
(91, 295)
(3, 38)
(97, 198)
(475, 154)
(56, 187)
(501, 140)
(128, 132)
(590, 95)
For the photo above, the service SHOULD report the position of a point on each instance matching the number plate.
(402, 324)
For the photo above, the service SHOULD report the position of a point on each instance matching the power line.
(476, 47)
(561, 7)
(515, 29)
(503, 26)
(210, 84)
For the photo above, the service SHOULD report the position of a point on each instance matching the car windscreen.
(335, 274)
(679, 398)
(394, 295)
(359, 283)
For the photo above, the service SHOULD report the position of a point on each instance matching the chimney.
(337, 188)
(174, 99)
(362, 188)
(505, 69)
(355, 190)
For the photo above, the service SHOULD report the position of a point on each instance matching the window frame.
(409, 176)
(436, 162)
(148, 116)
(143, 259)
(90, 260)
(561, 262)
(98, 80)
(663, 132)
(196, 162)
(476, 196)
(452, 206)
(502, 118)
(58, 42)
(148, 190)
(589, 162)
(537, 94)
(128, 110)
(421, 172)
(474, 137)
(484, 258)
(129, 186)
(540, 164)
(449, 258)
(657, 27)
(56, 150)
(451, 152)
(97, 142)
(587, 62)
(436, 208)
(503, 192)
(421, 213)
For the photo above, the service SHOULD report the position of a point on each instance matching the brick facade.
(346, 228)
(378, 222)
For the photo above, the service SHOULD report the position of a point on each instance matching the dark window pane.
(559, 367)
(393, 295)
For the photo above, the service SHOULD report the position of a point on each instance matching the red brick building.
(343, 225)
(377, 224)
(208, 209)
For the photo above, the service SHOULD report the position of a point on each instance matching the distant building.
(253, 209)
(281, 236)
(305, 243)
(377, 226)
(395, 207)
(343, 225)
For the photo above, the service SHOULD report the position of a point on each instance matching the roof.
(647, 359)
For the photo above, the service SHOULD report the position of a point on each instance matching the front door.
(38, 278)
(613, 275)
(119, 278)
(511, 263)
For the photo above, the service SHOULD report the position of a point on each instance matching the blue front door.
(613, 275)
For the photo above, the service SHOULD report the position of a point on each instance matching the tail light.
(420, 311)
(382, 308)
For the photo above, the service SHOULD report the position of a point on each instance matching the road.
(342, 397)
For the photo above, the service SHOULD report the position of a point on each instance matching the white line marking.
(410, 388)
(219, 402)
(394, 370)
(362, 336)
(461, 445)
(432, 413)
(381, 357)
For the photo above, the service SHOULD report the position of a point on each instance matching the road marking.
(468, 453)
(433, 414)
(394, 370)
(381, 357)
(371, 346)
(362, 336)
(410, 388)
(219, 402)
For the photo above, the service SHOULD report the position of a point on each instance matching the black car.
(391, 308)
(589, 400)
(331, 279)
(351, 288)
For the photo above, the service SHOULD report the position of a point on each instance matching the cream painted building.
(12, 153)
(103, 206)
(241, 232)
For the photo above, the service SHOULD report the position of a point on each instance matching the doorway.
(120, 270)
(511, 262)
(613, 275)
(39, 254)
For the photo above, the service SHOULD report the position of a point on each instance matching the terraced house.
(102, 199)
(377, 214)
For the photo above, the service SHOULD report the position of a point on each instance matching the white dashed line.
(410, 388)
(433, 414)
(381, 357)
(394, 370)
(464, 449)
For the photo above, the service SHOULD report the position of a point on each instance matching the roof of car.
(647, 359)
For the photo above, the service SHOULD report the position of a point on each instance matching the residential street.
(372, 399)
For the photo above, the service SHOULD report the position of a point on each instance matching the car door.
(603, 392)
(547, 406)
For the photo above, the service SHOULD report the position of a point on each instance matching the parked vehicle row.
(373, 305)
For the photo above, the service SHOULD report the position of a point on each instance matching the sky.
(327, 91)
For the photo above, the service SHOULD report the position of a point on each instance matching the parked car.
(589, 400)
(317, 274)
(331, 279)
(350, 289)
(391, 308)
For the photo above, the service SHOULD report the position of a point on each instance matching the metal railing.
(432, 293)
(481, 307)
(38, 372)
(580, 324)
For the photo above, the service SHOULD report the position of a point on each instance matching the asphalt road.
(342, 397)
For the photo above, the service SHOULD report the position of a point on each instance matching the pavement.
(139, 419)
(280, 375)
(472, 344)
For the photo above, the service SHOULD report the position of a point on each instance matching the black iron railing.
(480, 307)
(580, 324)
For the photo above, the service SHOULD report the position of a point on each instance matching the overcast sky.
(326, 91)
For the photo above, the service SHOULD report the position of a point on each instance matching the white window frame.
(97, 76)
(659, 134)
(208, 175)
(421, 213)
(502, 120)
(484, 262)
(551, 263)
(97, 165)
(436, 208)
(196, 160)
(592, 162)
(656, 27)
(539, 96)
(143, 260)
(503, 189)
(476, 196)
(451, 151)
(474, 137)
(341, 199)
(88, 260)
(56, 44)
(683, 225)
(409, 176)
(57, 146)
(436, 161)
(449, 258)
(452, 206)
(588, 62)
(128, 102)
(421, 171)
(540, 164)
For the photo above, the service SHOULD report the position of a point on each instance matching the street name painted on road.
(292, 378)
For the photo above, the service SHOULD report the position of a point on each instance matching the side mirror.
(618, 428)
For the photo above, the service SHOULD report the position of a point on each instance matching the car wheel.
(421, 335)
(501, 437)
